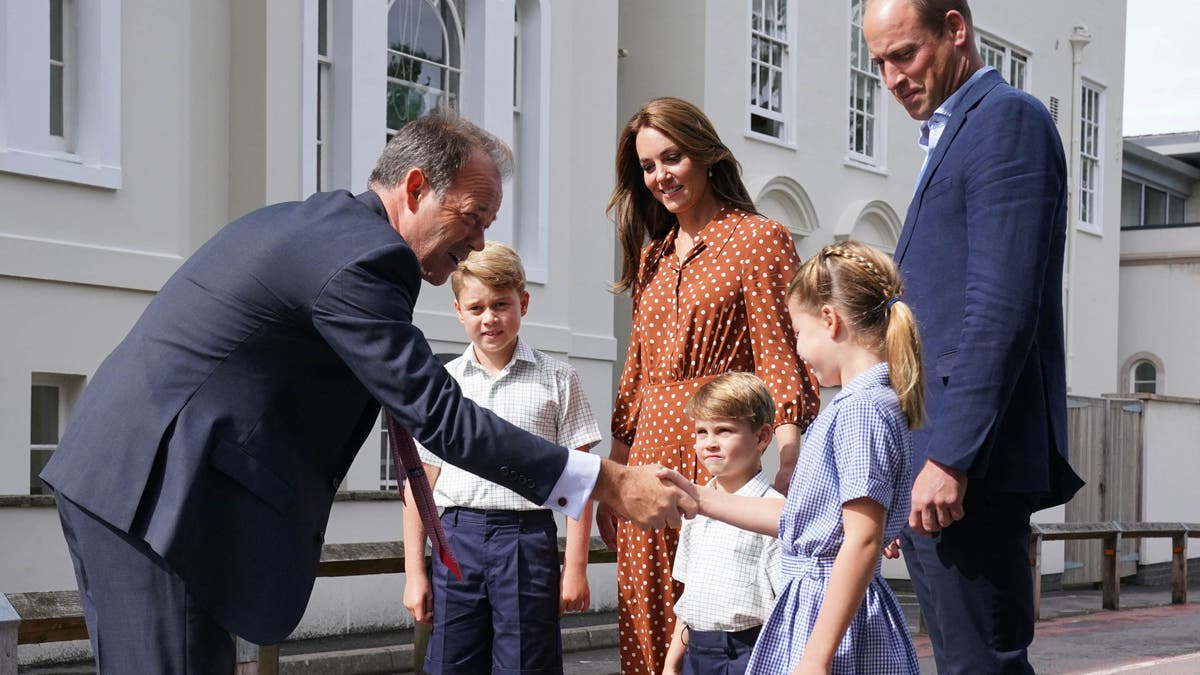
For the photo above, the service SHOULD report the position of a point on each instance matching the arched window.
(424, 66)
(784, 200)
(1144, 378)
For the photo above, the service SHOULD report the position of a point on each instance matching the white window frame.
(68, 388)
(89, 152)
(1090, 181)
(324, 96)
(786, 116)
(1134, 382)
(1005, 57)
(66, 66)
(453, 73)
(876, 121)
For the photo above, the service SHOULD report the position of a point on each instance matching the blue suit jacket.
(981, 254)
(220, 428)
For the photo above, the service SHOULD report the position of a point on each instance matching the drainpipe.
(1080, 37)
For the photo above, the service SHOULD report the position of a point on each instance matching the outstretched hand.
(636, 493)
(686, 486)
(937, 498)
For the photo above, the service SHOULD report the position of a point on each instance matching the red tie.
(404, 454)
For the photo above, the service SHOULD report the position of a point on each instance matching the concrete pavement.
(1076, 637)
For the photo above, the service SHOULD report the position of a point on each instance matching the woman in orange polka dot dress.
(708, 298)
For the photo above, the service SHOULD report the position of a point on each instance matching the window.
(1089, 155)
(1012, 63)
(1143, 204)
(530, 139)
(866, 94)
(1145, 378)
(324, 96)
(60, 90)
(50, 399)
(768, 68)
(424, 59)
(62, 73)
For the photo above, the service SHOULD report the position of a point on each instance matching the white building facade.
(142, 127)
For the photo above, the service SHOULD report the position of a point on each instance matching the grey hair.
(438, 144)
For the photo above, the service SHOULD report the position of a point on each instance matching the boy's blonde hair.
(733, 396)
(497, 266)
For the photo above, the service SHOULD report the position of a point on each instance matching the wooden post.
(1035, 565)
(255, 660)
(1179, 571)
(9, 620)
(1110, 580)
(268, 660)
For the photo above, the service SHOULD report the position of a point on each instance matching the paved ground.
(1147, 636)
(1076, 637)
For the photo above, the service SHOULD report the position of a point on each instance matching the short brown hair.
(932, 13)
(733, 396)
(497, 266)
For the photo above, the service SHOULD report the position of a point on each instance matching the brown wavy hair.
(637, 214)
(864, 285)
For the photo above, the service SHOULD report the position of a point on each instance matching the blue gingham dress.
(859, 446)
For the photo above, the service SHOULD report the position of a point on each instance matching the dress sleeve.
(765, 280)
(628, 403)
(866, 452)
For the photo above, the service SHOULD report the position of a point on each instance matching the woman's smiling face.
(676, 180)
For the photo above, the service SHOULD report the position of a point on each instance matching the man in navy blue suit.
(195, 478)
(981, 254)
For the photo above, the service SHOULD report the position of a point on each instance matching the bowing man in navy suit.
(981, 254)
(195, 479)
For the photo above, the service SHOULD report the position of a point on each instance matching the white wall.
(1171, 462)
(1160, 269)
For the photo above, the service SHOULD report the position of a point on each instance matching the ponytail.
(902, 347)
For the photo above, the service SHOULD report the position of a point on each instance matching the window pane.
(56, 30)
(1131, 203)
(56, 100)
(43, 415)
(1154, 211)
(1176, 212)
(1145, 378)
(322, 28)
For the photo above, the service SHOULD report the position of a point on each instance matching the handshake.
(650, 496)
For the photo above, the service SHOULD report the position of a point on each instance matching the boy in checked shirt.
(730, 575)
(503, 615)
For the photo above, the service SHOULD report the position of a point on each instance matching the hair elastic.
(890, 302)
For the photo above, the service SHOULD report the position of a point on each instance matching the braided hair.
(864, 285)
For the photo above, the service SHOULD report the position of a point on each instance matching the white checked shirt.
(540, 394)
(730, 575)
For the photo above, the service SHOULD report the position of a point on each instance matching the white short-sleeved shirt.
(540, 394)
(730, 575)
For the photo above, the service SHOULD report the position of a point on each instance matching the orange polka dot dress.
(722, 309)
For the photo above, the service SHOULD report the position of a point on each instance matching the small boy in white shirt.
(730, 575)
(503, 615)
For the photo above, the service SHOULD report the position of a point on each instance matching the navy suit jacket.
(220, 428)
(981, 255)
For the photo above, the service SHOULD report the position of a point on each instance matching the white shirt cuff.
(574, 487)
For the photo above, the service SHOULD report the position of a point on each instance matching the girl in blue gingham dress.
(849, 494)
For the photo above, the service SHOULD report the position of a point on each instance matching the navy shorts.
(502, 617)
(718, 652)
